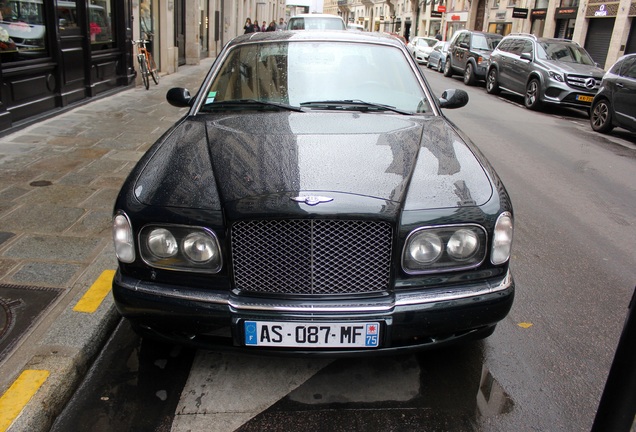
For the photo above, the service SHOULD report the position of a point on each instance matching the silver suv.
(543, 71)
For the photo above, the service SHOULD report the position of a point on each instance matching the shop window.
(22, 31)
(569, 3)
(100, 22)
(100, 19)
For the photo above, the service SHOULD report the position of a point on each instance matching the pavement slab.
(59, 178)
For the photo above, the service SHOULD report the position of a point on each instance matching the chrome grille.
(308, 256)
(584, 82)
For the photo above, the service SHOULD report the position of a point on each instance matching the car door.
(522, 65)
(625, 95)
(461, 50)
(503, 56)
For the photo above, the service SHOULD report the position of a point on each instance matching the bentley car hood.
(414, 162)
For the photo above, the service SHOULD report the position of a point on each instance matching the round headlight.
(463, 244)
(162, 243)
(199, 247)
(425, 247)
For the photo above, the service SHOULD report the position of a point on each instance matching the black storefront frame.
(71, 74)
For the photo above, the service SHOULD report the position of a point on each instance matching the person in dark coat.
(249, 28)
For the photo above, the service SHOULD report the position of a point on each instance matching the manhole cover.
(20, 308)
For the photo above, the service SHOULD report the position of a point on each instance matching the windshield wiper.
(350, 104)
(241, 103)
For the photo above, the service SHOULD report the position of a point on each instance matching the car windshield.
(429, 42)
(484, 42)
(564, 52)
(294, 73)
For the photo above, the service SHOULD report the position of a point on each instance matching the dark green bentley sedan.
(314, 200)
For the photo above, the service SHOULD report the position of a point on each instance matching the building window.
(495, 4)
(101, 24)
(569, 3)
(22, 31)
(512, 3)
(541, 4)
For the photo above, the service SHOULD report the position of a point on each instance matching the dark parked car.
(615, 103)
(437, 58)
(468, 54)
(544, 71)
(305, 206)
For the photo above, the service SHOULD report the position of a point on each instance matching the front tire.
(469, 75)
(601, 117)
(531, 98)
(492, 83)
(448, 70)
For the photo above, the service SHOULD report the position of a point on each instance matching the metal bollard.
(617, 408)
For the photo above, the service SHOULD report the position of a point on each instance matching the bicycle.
(147, 66)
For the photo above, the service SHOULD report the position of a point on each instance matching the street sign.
(441, 8)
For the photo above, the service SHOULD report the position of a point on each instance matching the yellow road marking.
(96, 294)
(19, 394)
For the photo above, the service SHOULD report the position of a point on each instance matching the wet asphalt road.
(543, 369)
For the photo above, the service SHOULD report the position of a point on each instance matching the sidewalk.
(58, 183)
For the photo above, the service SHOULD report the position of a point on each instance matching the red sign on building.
(441, 8)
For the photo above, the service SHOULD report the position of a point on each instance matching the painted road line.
(19, 394)
(96, 294)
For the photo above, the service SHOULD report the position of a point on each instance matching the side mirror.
(453, 98)
(179, 97)
(526, 56)
(464, 45)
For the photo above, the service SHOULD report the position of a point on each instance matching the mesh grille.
(311, 256)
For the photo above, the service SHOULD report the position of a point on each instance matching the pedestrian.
(264, 26)
(271, 26)
(281, 25)
(438, 36)
(256, 27)
(248, 26)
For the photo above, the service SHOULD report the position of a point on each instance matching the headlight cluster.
(556, 76)
(456, 247)
(180, 247)
(444, 248)
(172, 247)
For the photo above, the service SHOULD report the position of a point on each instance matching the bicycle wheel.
(153, 69)
(143, 69)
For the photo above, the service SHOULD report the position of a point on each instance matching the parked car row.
(544, 71)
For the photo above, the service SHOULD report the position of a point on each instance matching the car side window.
(629, 68)
(505, 46)
(515, 46)
(526, 48)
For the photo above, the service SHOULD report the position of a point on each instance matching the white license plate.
(585, 98)
(312, 334)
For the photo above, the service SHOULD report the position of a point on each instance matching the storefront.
(565, 19)
(602, 17)
(54, 53)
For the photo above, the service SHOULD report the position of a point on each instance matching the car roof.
(316, 35)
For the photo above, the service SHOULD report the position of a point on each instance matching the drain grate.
(20, 308)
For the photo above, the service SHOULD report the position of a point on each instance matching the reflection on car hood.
(576, 68)
(416, 162)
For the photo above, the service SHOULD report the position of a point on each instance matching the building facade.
(55, 54)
